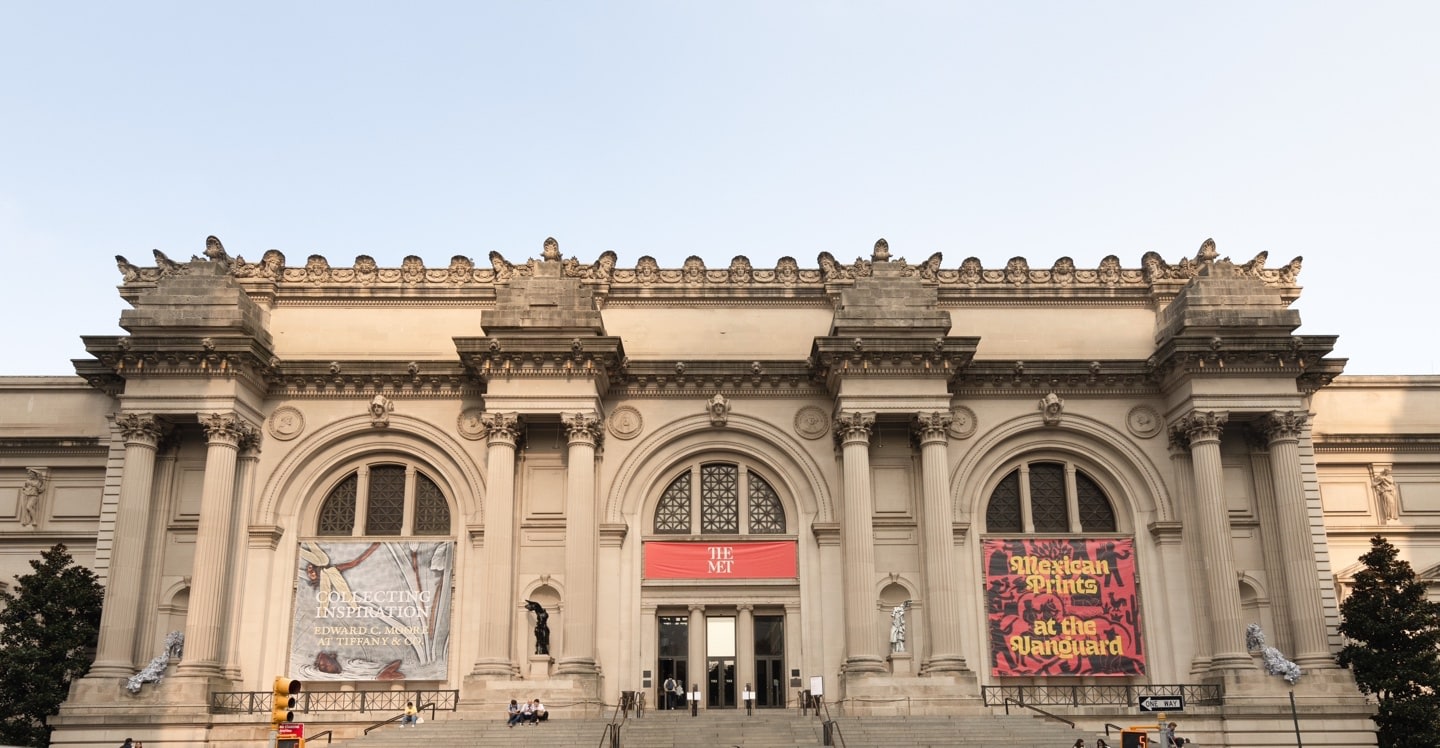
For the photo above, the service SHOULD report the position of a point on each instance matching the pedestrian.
(670, 687)
(1168, 738)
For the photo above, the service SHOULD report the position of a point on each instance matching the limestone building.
(913, 487)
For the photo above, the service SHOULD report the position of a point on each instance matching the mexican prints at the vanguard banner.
(1063, 606)
(372, 611)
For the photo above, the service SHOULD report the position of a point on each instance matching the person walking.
(669, 688)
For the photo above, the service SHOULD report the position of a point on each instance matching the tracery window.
(1049, 496)
(708, 496)
(384, 499)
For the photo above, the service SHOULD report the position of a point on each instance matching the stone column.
(744, 650)
(503, 432)
(581, 543)
(239, 531)
(1302, 576)
(115, 652)
(1203, 429)
(1184, 497)
(942, 593)
(204, 624)
(696, 671)
(852, 430)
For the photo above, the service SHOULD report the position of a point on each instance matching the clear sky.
(995, 129)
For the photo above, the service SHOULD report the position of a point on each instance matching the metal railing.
(398, 717)
(1055, 717)
(250, 702)
(1206, 694)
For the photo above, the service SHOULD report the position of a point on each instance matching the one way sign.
(1150, 703)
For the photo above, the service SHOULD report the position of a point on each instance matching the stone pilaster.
(581, 542)
(942, 593)
(249, 459)
(1302, 577)
(862, 654)
(695, 653)
(204, 623)
(1185, 497)
(744, 648)
(503, 438)
(1202, 429)
(115, 653)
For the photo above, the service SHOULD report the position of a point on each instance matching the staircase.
(732, 728)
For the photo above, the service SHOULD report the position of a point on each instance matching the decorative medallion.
(625, 422)
(962, 422)
(1143, 421)
(286, 423)
(470, 425)
(811, 422)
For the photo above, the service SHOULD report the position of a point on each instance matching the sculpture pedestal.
(902, 664)
(540, 667)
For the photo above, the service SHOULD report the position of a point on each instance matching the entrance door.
(720, 662)
(674, 655)
(770, 662)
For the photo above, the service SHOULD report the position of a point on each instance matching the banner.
(372, 611)
(1062, 606)
(675, 560)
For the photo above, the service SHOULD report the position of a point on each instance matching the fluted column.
(745, 647)
(942, 593)
(695, 653)
(204, 620)
(1302, 576)
(115, 652)
(1203, 429)
(852, 430)
(1184, 496)
(581, 542)
(503, 432)
(249, 459)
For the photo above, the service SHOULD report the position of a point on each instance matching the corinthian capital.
(226, 427)
(1283, 425)
(141, 427)
(931, 427)
(582, 428)
(1201, 425)
(503, 428)
(853, 427)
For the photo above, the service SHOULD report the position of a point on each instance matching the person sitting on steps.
(538, 713)
(513, 712)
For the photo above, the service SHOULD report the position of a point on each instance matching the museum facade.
(912, 488)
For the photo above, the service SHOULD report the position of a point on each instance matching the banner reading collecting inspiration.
(372, 611)
(1062, 606)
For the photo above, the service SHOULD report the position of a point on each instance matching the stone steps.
(782, 730)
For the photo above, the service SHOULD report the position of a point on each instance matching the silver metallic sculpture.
(174, 648)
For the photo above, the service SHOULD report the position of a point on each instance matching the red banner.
(1062, 606)
(669, 560)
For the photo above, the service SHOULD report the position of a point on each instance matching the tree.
(48, 629)
(1393, 647)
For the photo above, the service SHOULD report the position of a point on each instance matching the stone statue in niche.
(897, 627)
(542, 627)
(1384, 484)
(30, 496)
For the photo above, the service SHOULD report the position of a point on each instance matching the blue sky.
(1035, 129)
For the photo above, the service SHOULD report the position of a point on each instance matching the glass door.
(673, 665)
(720, 662)
(770, 662)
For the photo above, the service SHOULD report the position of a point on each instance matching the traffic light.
(282, 704)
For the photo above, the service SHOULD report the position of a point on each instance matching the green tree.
(48, 629)
(1393, 647)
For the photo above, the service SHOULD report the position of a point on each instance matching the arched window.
(708, 496)
(398, 499)
(1049, 496)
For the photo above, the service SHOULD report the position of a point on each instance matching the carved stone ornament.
(811, 422)
(854, 427)
(1051, 409)
(380, 409)
(36, 481)
(625, 422)
(471, 424)
(931, 426)
(285, 423)
(582, 428)
(1283, 425)
(719, 410)
(962, 422)
(140, 427)
(1200, 425)
(1143, 421)
(1383, 482)
(225, 427)
(503, 427)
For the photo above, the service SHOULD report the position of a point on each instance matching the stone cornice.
(394, 379)
(539, 355)
(835, 357)
(706, 378)
(1342, 443)
(179, 356)
(54, 446)
(1027, 378)
(1213, 356)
